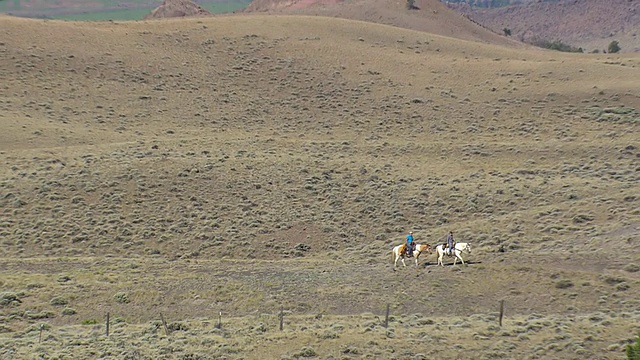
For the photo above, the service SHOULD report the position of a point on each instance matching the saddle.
(405, 250)
(445, 248)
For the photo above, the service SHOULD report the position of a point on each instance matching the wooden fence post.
(164, 323)
(386, 317)
(41, 328)
(107, 325)
(281, 317)
(501, 311)
(219, 324)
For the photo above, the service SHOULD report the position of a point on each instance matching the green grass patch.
(123, 15)
(104, 11)
(221, 8)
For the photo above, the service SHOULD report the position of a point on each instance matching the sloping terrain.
(188, 167)
(429, 16)
(590, 24)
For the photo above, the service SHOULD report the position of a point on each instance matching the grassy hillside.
(431, 16)
(188, 167)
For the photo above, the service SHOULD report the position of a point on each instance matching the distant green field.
(125, 14)
(82, 13)
(138, 14)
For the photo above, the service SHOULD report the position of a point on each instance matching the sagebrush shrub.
(121, 297)
(59, 301)
(633, 350)
(9, 298)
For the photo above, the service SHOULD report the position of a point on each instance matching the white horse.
(400, 252)
(456, 253)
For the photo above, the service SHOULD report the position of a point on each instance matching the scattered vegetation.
(633, 350)
(614, 47)
(69, 311)
(411, 5)
(621, 114)
(59, 301)
(564, 284)
(121, 297)
(632, 268)
(9, 298)
(64, 278)
(486, 3)
(305, 352)
(557, 45)
(177, 326)
(287, 181)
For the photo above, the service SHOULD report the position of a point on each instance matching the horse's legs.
(458, 256)
(440, 255)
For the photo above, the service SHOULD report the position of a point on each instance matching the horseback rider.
(450, 243)
(411, 245)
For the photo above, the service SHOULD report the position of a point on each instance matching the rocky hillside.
(492, 3)
(177, 8)
(590, 24)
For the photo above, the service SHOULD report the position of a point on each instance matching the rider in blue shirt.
(410, 244)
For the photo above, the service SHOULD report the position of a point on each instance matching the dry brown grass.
(431, 16)
(187, 167)
(346, 337)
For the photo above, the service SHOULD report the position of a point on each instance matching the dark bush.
(614, 47)
(633, 350)
(557, 45)
(564, 284)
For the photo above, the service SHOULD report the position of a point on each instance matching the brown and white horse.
(400, 252)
